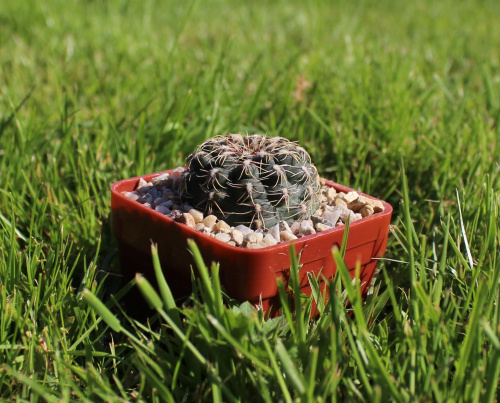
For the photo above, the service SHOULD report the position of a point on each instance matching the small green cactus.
(254, 180)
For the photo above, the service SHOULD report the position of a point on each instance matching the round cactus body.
(251, 180)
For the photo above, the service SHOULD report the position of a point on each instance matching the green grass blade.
(165, 292)
(95, 303)
(290, 369)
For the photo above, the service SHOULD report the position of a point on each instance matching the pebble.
(356, 217)
(243, 229)
(177, 172)
(186, 218)
(307, 228)
(259, 234)
(366, 210)
(331, 216)
(157, 180)
(197, 215)
(377, 205)
(142, 183)
(330, 194)
(222, 226)
(350, 197)
(284, 226)
(322, 227)
(132, 195)
(254, 246)
(275, 232)
(335, 208)
(344, 212)
(146, 198)
(295, 227)
(237, 236)
(339, 202)
(321, 220)
(168, 203)
(269, 240)
(174, 214)
(287, 236)
(209, 220)
(162, 209)
(250, 237)
(357, 203)
(223, 237)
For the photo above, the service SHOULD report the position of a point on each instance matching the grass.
(400, 100)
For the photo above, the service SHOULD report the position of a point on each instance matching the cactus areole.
(253, 180)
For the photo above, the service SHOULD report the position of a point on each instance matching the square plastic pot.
(246, 274)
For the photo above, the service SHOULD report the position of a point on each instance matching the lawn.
(400, 100)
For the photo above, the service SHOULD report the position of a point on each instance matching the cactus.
(254, 180)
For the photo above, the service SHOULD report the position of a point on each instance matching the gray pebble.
(162, 209)
(157, 180)
(332, 216)
(321, 220)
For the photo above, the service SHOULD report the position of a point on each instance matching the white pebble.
(142, 183)
(255, 246)
(307, 228)
(243, 229)
(250, 237)
(223, 237)
(366, 210)
(350, 197)
(330, 194)
(377, 205)
(275, 232)
(284, 226)
(177, 172)
(132, 196)
(295, 227)
(287, 235)
(259, 235)
(222, 226)
(209, 220)
(356, 217)
(237, 236)
(197, 215)
(269, 240)
(322, 227)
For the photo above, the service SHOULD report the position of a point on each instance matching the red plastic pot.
(246, 274)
